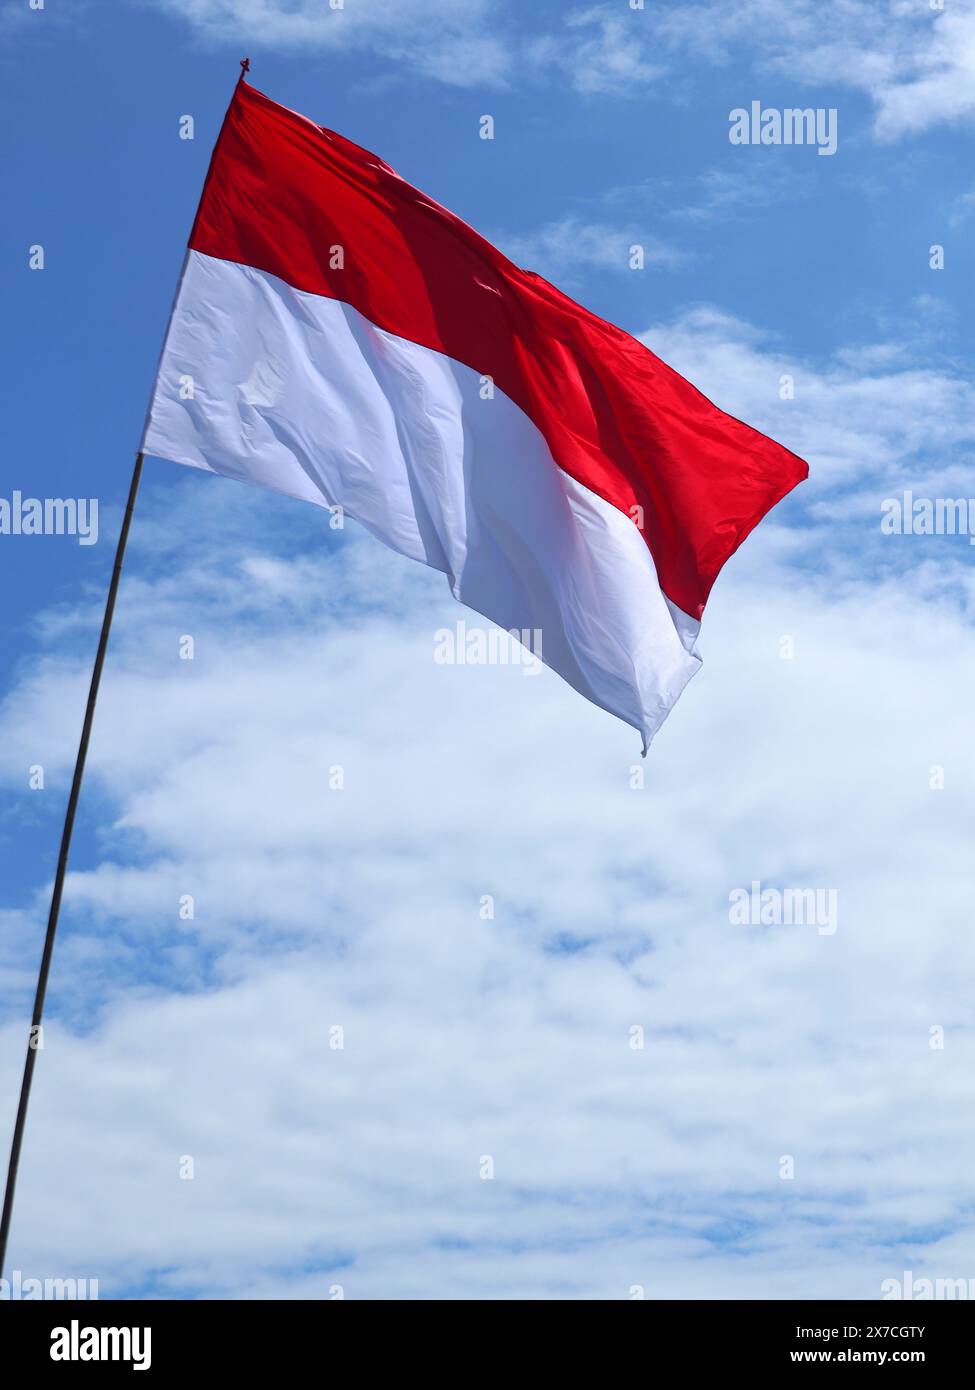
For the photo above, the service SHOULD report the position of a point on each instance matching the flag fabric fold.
(340, 337)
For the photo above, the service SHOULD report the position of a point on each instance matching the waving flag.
(340, 337)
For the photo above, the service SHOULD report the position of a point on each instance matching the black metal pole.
(52, 920)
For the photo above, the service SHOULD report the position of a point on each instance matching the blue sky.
(615, 1168)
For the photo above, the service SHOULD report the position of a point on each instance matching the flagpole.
(79, 769)
(52, 920)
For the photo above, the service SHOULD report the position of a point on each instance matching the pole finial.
(245, 66)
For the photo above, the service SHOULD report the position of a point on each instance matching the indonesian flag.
(340, 337)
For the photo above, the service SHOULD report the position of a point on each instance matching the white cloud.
(917, 66)
(600, 50)
(509, 1037)
(564, 248)
(932, 83)
(962, 210)
(724, 192)
(453, 41)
